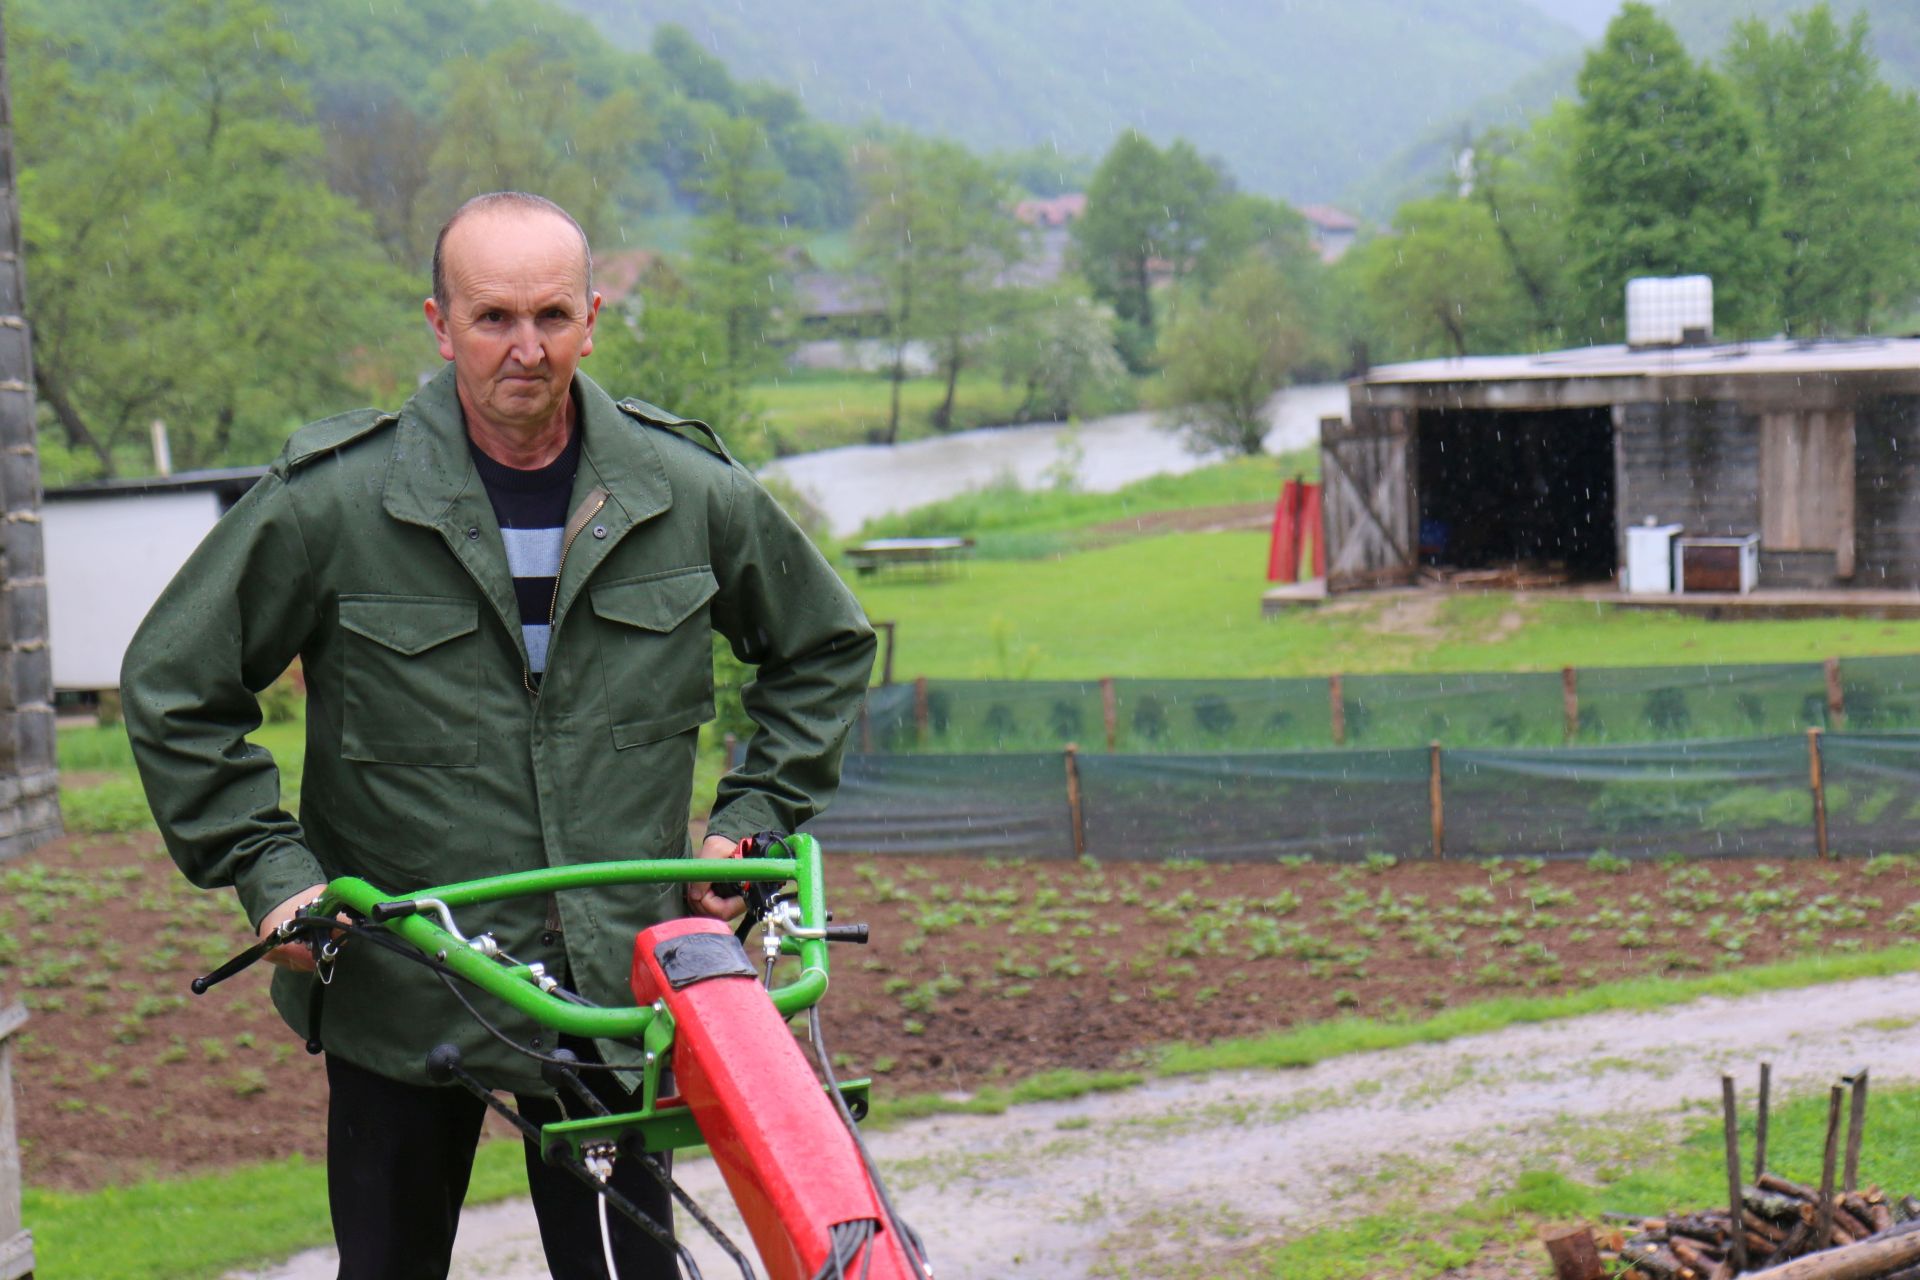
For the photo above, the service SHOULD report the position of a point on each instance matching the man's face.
(518, 316)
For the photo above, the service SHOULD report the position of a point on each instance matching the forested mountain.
(1300, 99)
(1704, 25)
(1588, 17)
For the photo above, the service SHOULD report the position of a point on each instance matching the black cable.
(381, 938)
(903, 1235)
(712, 1228)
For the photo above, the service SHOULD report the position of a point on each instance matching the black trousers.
(398, 1160)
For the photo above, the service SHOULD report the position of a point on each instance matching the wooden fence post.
(886, 657)
(1816, 778)
(1823, 1221)
(1076, 812)
(1570, 700)
(1337, 704)
(16, 1242)
(1760, 1121)
(1836, 696)
(1436, 801)
(1730, 1120)
(1110, 712)
(1856, 1130)
(866, 730)
(731, 743)
(921, 717)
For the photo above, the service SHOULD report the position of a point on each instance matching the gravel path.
(1056, 1190)
(856, 483)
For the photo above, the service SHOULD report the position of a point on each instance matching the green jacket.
(371, 552)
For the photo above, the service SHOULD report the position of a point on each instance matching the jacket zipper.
(575, 525)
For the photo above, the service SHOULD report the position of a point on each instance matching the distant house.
(619, 275)
(1058, 211)
(1332, 230)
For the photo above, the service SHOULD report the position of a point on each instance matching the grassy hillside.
(1299, 99)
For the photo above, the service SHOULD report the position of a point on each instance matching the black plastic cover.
(700, 956)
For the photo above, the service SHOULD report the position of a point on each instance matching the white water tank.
(1666, 311)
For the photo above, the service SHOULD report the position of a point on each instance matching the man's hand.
(296, 956)
(701, 899)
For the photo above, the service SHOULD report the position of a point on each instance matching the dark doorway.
(1512, 488)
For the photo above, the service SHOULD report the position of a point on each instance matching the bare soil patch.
(1222, 519)
(981, 972)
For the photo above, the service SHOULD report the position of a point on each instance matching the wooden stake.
(1337, 704)
(866, 731)
(1436, 801)
(1110, 710)
(921, 717)
(1730, 1120)
(731, 745)
(1836, 696)
(1856, 1130)
(886, 658)
(1823, 1224)
(1816, 778)
(1760, 1121)
(1075, 813)
(1570, 700)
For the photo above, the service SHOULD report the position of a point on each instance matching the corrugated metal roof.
(1770, 356)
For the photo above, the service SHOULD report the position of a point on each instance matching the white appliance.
(1650, 559)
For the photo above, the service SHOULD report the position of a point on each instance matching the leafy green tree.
(739, 273)
(967, 245)
(1058, 346)
(1227, 354)
(1845, 149)
(1441, 284)
(1523, 180)
(516, 120)
(1669, 179)
(188, 261)
(895, 213)
(1145, 209)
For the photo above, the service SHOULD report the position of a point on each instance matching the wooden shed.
(1488, 462)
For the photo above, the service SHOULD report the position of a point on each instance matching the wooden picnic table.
(932, 553)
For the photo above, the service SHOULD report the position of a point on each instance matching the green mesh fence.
(1249, 806)
(1881, 693)
(1476, 709)
(1872, 784)
(1700, 799)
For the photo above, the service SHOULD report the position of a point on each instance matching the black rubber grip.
(856, 933)
(234, 965)
(385, 911)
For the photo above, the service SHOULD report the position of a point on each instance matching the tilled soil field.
(981, 972)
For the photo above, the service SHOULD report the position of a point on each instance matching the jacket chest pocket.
(656, 653)
(410, 674)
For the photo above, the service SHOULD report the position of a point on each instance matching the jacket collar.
(432, 471)
(431, 481)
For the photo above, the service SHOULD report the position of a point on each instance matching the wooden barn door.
(1366, 474)
(1806, 484)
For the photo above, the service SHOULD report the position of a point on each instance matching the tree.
(738, 273)
(1146, 211)
(1227, 354)
(1523, 182)
(189, 264)
(1668, 179)
(1845, 149)
(969, 241)
(1441, 284)
(1058, 346)
(516, 120)
(896, 206)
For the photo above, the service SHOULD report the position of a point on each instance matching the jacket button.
(473, 533)
(549, 938)
(599, 531)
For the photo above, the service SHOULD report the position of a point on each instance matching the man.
(501, 597)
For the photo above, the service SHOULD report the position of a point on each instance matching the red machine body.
(793, 1169)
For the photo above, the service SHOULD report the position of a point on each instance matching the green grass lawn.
(1188, 604)
(809, 411)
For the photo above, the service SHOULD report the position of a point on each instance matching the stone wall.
(29, 799)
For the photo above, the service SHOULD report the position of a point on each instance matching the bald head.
(501, 207)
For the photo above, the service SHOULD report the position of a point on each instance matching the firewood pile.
(1769, 1227)
(1779, 1221)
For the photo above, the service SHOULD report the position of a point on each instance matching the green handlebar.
(515, 985)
